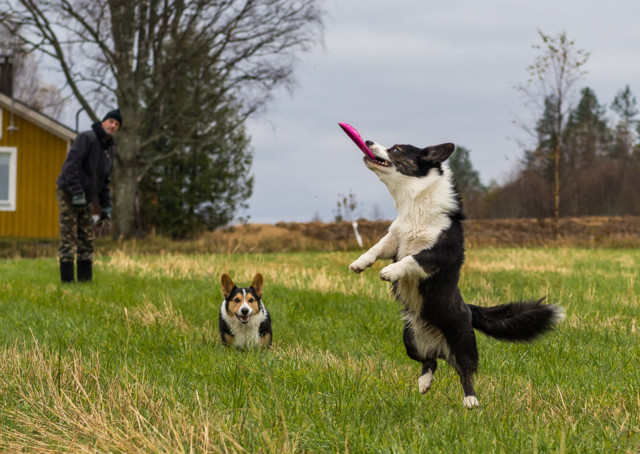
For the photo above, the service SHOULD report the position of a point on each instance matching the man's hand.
(106, 213)
(103, 226)
(79, 200)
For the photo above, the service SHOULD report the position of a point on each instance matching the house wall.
(40, 156)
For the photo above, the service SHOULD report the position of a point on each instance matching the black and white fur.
(426, 244)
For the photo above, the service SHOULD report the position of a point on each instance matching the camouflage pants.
(76, 229)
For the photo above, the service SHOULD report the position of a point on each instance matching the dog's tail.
(516, 322)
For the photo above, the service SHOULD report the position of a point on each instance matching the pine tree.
(541, 159)
(467, 178)
(586, 135)
(202, 185)
(624, 105)
(468, 182)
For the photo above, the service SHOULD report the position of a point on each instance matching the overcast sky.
(421, 72)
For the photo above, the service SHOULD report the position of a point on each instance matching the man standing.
(85, 175)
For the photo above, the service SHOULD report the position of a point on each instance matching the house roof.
(38, 118)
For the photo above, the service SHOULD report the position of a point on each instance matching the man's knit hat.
(115, 114)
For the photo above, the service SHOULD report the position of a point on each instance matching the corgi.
(244, 320)
(426, 244)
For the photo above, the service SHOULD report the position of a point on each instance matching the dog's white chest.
(415, 237)
(412, 238)
(245, 334)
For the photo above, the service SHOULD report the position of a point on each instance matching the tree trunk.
(556, 164)
(125, 184)
(556, 190)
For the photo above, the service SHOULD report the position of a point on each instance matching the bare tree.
(132, 53)
(553, 76)
(347, 208)
(27, 83)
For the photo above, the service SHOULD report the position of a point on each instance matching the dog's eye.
(237, 300)
(251, 300)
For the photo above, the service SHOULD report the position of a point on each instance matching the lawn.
(133, 361)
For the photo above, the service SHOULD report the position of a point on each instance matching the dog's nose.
(368, 143)
(244, 310)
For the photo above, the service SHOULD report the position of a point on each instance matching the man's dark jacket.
(87, 168)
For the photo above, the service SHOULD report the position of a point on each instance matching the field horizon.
(618, 232)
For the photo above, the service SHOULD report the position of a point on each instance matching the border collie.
(244, 320)
(426, 243)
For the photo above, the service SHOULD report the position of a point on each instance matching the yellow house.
(32, 150)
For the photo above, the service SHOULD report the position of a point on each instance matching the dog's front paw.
(392, 273)
(360, 265)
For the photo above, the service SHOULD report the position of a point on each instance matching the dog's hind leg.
(464, 358)
(466, 378)
(429, 365)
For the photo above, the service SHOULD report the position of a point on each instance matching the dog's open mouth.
(243, 318)
(377, 161)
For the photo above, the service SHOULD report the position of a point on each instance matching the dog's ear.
(227, 285)
(257, 284)
(438, 153)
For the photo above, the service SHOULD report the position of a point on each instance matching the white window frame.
(10, 203)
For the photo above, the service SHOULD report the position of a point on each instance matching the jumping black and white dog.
(426, 243)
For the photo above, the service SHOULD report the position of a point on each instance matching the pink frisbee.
(355, 136)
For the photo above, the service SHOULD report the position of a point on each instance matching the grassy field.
(133, 361)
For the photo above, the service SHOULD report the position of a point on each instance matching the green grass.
(133, 361)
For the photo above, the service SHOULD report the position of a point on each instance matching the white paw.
(392, 273)
(470, 402)
(357, 267)
(424, 382)
(360, 265)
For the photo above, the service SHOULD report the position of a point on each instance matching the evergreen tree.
(199, 173)
(468, 182)
(203, 184)
(636, 148)
(624, 105)
(586, 135)
(541, 159)
(467, 178)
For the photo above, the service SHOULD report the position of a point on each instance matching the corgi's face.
(407, 160)
(242, 302)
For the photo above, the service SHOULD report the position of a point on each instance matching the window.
(8, 158)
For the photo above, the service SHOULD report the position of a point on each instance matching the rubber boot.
(66, 272)
(84, 271)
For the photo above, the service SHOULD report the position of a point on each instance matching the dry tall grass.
(328, 274)
(611, 232)
(66, 408)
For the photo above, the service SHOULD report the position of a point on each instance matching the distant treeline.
(599, 165)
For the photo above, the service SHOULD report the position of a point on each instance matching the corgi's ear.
(257, 284)
(227, 285)
(438, 153)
